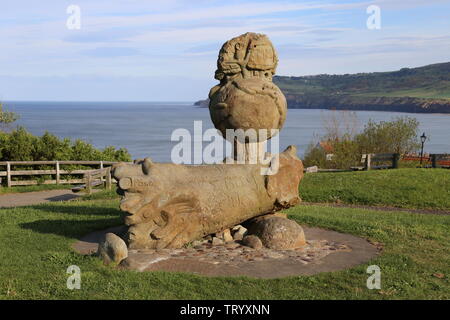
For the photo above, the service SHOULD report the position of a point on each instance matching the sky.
(148, 50)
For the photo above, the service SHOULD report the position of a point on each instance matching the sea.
(145, 129)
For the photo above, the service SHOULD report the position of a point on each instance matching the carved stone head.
(246, 97)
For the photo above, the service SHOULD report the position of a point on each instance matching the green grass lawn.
(405, 188)
(35, 253)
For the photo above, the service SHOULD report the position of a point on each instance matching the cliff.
(347, 102)
(419, 90)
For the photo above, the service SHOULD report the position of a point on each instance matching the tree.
(397, 136)
(6, 118)
(340, 125)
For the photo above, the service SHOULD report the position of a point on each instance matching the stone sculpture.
(169, 205)
(246, 97)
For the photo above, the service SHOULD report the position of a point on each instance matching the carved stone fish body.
(169, 205)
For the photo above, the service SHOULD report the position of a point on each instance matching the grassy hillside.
(421, 90)
(432, 81)
(424, 89)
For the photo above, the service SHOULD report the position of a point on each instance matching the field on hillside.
(431, 81)
(431, 93)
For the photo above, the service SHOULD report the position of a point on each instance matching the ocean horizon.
(145, 128)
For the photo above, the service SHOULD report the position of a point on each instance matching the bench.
(95, 178)
(367, 159)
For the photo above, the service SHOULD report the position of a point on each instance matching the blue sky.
(145, 50)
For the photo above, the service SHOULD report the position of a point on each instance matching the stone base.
(324, 251)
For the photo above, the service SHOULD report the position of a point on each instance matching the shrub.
(397, 136)
(6, 118)
(315, 156)
(20, 145)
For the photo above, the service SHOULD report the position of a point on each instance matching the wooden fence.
(94, 178)
(436, 160)
(89, 175)
(9, 173)
(391, 158)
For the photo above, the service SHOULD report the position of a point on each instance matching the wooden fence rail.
(94, 178)
(393, 158)
(57, 172)
(437, 160)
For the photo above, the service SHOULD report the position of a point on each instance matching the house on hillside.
(327, 147)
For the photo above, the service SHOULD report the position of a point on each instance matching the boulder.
(227, 235)
(217, 241)
(247, 224)
(197, 243)
(313, 169)
(252, 241)
(239, 232)
(278, 233)
(112, 249)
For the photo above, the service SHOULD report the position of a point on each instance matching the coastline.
(383, 104)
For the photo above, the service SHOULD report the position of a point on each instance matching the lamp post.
(423, 138)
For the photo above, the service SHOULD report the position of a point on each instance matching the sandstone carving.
(168, 205)
(246, 97)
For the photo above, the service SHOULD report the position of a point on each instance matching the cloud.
(106, 35)
(205, 48)
(182, 37)
(110, 52)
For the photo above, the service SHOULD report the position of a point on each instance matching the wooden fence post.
(368, 161)
(433, 160)
(108, 178)
(101, 167)
(58, 175)
(395, 159)
(8, 174)
(88, 183)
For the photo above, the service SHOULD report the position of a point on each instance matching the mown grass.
(101, 195)
(35, 253)
(405, 188)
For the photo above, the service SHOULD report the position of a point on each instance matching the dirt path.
(29, 198)
(378, 208)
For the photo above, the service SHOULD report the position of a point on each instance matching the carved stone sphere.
(253, 103)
